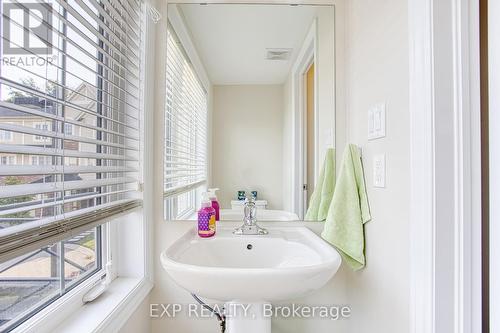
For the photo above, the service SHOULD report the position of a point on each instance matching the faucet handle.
(250, 210)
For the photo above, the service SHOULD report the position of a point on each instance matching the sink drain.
(249, 246)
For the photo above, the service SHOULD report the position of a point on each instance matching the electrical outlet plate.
(379, 170)
(376, 122)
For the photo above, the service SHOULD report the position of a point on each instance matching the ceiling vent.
(278, 54)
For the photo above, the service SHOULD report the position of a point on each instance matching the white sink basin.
(287, 263)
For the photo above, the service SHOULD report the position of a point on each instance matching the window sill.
(107, 313)
(111, 310)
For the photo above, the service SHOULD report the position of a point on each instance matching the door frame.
(308, 54)
(425, 34)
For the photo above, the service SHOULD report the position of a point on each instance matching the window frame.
(53, 311)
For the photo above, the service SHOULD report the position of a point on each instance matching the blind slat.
(27, 206)
(26, 170)
(58, 135)
(48, 151)
(41, 188)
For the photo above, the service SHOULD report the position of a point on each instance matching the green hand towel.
(349, 210)
(323, 193)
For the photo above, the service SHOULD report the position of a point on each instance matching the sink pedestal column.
(242, 317)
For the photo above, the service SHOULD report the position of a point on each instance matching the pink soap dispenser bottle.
(215, 203)
(206, 217)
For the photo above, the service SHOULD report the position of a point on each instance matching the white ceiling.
(232, 39)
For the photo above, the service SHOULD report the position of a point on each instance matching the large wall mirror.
(249, 107)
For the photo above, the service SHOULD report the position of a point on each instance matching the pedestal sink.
(287, 263)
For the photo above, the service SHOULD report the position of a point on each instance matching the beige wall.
(247, 142)
(377, 72)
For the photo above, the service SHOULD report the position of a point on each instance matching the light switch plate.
(379, 170)
(376, 122)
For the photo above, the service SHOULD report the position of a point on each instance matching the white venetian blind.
(185, 166)
(73, 115)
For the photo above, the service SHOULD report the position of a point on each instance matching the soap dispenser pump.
(215, 203)
(206, 217)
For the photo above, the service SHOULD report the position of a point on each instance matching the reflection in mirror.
(249, 107)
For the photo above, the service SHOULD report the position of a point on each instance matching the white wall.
(247, 142)
(377, 71)
(494, 123)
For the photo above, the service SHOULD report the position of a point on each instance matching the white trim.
(110, 311)
(422, 210)
(468, 166)
(465, 145)
(308, 54)
(126, 307)
(149, 140)
(159, 113)
(494, 163)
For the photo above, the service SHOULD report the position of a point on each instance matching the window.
(5, 135)
(41, 160)
(37, 278)
(7, 160)
(90, 77)
(185, 167)
(68, 129)
(44, 127)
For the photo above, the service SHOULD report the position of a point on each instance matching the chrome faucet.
(250, 226)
